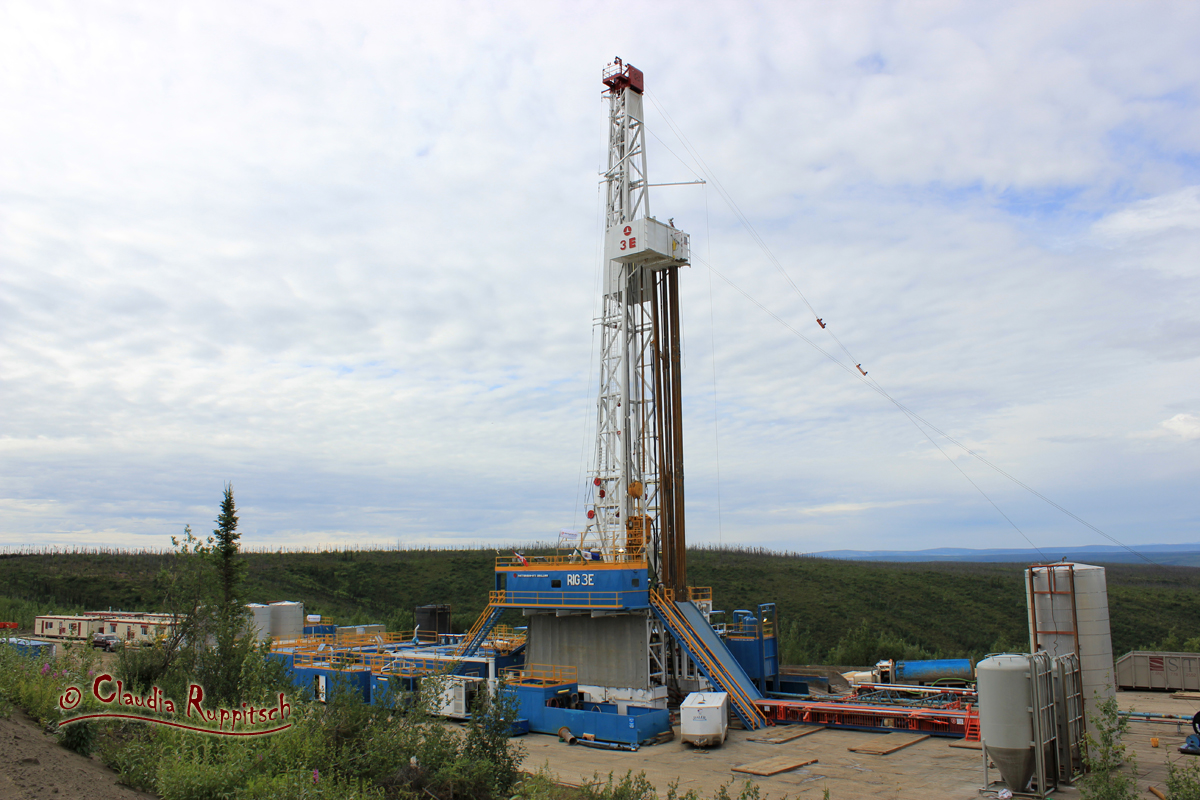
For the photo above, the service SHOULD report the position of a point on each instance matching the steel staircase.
(709, 663)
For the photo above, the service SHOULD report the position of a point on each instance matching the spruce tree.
(225, 552)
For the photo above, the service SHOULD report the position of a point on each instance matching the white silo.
(1006, 716)
(1068, 613)
(259, 624)
(287, 620)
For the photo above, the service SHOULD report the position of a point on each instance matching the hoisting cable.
(712, 330)
(913, 416)
(591, 359)
(870, 383)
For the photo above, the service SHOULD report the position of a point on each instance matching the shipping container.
(1142, 669)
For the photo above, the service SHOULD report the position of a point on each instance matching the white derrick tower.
(636, 508)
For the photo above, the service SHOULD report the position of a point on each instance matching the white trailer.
(704, 718)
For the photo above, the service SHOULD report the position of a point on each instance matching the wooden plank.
(968, 745)
(774, 766)
(1186, 695)
(780, 738)
(889, 746)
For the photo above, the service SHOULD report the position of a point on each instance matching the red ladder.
(972, 725)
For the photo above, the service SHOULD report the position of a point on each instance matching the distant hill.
(1187, 555)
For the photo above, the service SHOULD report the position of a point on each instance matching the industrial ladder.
(479, 631)
(1051, 593)
(750, 714)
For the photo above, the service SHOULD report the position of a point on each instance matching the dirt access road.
(34, 766)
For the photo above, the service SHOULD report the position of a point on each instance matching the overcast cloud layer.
(345, 256)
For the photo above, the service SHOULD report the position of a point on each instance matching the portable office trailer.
(1142, 669)
(66, 627)
(140, 629)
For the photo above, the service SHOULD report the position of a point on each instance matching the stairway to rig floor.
(479, 632)
(716, 666)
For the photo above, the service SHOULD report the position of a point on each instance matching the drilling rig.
(616, 614)
(637, 508)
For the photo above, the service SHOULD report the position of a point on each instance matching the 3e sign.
(629, 242)
(581, 579)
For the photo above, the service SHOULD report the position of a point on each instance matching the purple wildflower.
(316, 775)
(46, 668)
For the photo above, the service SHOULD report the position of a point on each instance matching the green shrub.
(78, 736)
(134, 751)
(1183, 779)
(1105, 755)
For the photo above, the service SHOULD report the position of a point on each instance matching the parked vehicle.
(108, 642)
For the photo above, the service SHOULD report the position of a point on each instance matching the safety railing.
(330, 659)
(615, 560)
(314, 641)
(486, 618)
(406, 666)
(522, 599)
(749, 712)
(697, 594)
(503, 639)
(309, 642)
(540, 675)
(748, 629)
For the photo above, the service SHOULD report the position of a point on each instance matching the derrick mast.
(636, 509)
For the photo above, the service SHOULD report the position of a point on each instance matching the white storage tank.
(1055, 622)
(1006, 716)
(704, 718)
(287, 620)
(259, 624)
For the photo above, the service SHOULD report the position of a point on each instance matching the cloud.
(1178, 210)
(1185, 426)
(851, 508)
(346, 257)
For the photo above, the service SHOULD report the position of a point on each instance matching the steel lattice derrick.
(627, 491)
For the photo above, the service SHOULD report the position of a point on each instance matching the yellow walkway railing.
(680, 626)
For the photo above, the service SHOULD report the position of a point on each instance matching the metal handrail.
(635, 560)
(699, 650)
(406, 666)
(559, 599)
(334, 659)
(541, 675)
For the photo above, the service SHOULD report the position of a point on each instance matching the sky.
(345, 256)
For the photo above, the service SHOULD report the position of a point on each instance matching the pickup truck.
(106, 641)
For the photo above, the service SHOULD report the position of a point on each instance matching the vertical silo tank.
(1053, 623)
(1005, 716)
(287, 620)
(260, 620)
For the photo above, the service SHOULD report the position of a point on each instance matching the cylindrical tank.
(1005, 719)
(958, 669)
(287, 620)
(260, 620)
(1054, 625)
